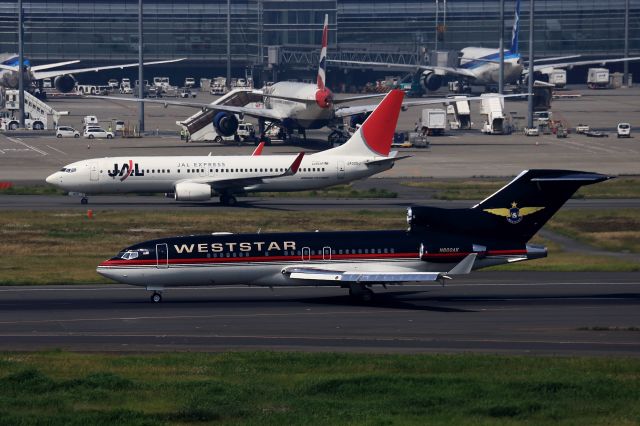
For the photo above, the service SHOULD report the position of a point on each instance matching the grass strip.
(264, 388)
(64, 247)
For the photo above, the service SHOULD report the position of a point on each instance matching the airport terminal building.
(285, 34)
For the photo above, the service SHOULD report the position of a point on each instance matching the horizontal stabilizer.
(465, 266)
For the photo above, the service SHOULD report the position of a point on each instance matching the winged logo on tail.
(514, 214)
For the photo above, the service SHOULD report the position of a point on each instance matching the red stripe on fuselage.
(334, 257)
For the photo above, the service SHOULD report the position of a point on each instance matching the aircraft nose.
(51, 179)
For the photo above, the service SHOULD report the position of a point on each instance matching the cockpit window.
(68, 170)
(130, 255)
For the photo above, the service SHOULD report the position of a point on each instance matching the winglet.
(465, 265)
(258, 149)
(293, 169)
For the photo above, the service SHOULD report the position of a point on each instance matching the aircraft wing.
(240, 183)
(408, 67)
(265, 113)
(578, 63)
(48, 74)
(38, 67)
(372, 276)
(53, 65)
(360, 109)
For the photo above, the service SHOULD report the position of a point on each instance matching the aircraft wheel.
(228, 200)
(84, 200)
(156, 297)
(218, 139)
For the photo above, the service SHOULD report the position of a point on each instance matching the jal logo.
(125, 171)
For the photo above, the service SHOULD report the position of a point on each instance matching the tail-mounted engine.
(225, 123)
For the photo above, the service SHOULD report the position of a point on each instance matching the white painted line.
(56, 149)
(19, 141)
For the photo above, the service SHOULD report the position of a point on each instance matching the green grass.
(64, 247)
(479, 188)
(616, 230)
(32, 190)
(59, 388)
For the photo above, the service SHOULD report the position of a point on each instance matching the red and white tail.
(375, 136)
(322, 66)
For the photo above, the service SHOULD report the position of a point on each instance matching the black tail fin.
(523, 206)
(512, 215)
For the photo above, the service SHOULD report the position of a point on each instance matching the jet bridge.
(200, 125)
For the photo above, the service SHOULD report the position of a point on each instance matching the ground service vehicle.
(67, 132)
(582, 128)
(435, 120)
(97, 132)
(598, 78)
(624, 130)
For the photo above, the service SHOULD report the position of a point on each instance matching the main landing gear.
(228, 200)
(361, 293)
(84, 200)
(156, 297)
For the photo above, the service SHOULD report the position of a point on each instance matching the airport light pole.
(501, 70)
(140, 71)
(626, 43)
(20, 66)
(228, 44)
(530, 85)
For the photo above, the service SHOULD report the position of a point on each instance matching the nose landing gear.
(156, 297)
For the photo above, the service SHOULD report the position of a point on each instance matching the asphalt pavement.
(487, 312)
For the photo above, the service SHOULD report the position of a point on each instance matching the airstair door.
(94, 173)
(340, 169)
(162, 256)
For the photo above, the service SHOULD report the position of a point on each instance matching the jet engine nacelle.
(324, 98)
(191, 191)
(225, 123)
(431, 81)
(64, 83)
(358, 119)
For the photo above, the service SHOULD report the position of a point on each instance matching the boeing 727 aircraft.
(63, 80)
(440, 243)
(366, 153)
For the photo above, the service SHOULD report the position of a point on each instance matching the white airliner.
(481, 65)
(63, 80)
(294, 106)
(191, 178)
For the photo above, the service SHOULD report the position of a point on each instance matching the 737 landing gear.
(156, 297)
(361, 293)
(228, 200)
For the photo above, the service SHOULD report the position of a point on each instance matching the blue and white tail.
(515, 29)
(322, 66)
